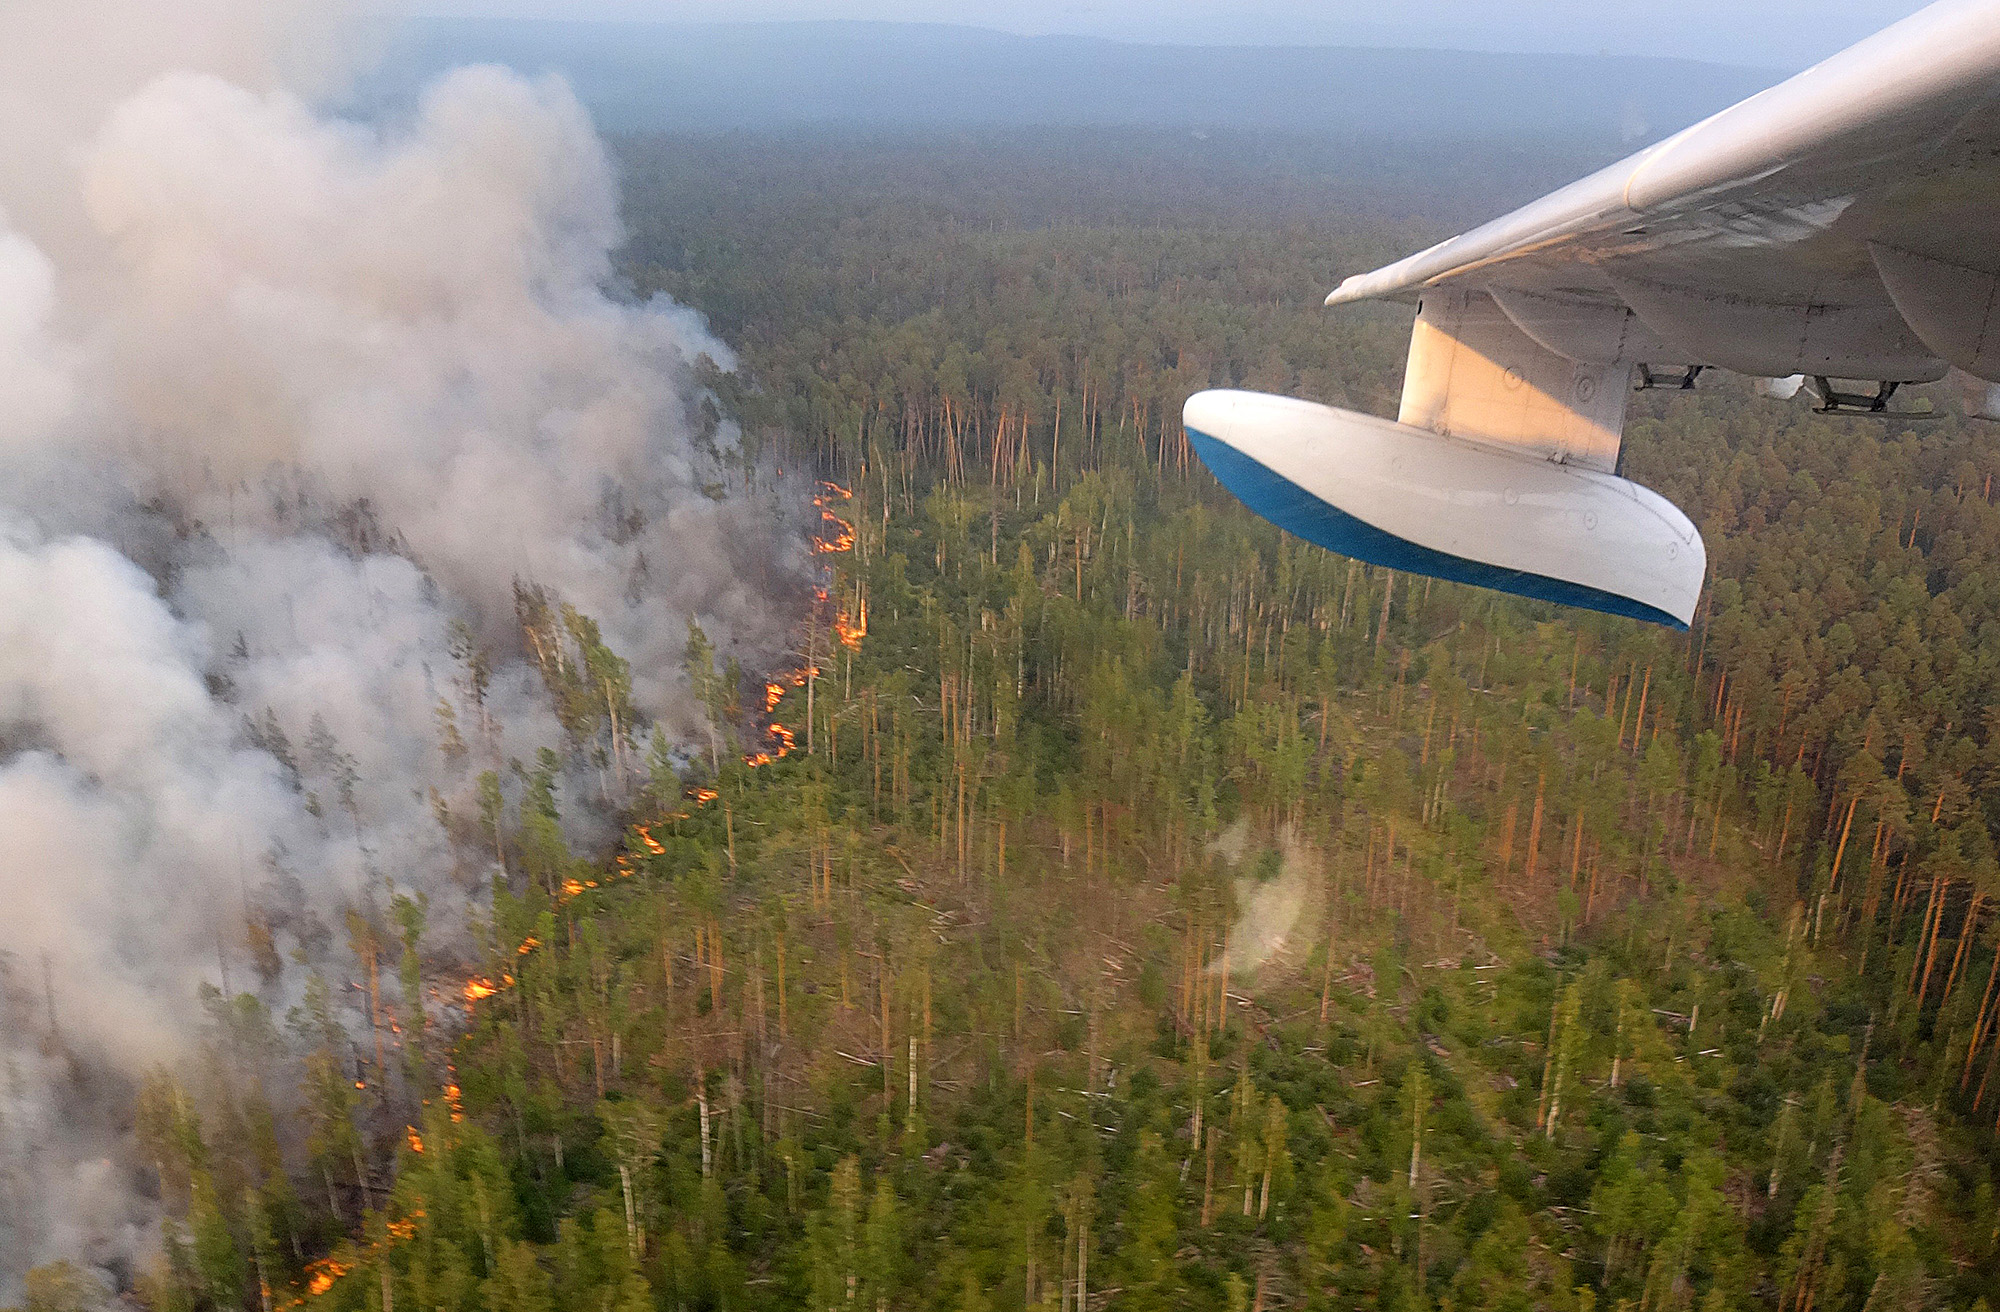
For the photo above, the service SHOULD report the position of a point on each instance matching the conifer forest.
(1111, 903)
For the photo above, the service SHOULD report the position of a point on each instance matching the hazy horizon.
(863, 74)
(1784, 36)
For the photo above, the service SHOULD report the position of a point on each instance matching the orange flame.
(653, 845)
(841, 538)
(850, 630)
(576, 887)
(451, 1100)
(782, 743)
(478, 989)
(323, 1272)
(416, 1140)
(320, 1275)
(703, 796)
(528, 944)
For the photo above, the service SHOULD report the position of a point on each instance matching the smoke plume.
(286, 403)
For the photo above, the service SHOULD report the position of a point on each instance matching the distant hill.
(899, 76)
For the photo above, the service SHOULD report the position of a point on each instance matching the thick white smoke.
(420, 324)
(281, 399)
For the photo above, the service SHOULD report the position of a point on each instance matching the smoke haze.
(281, 399)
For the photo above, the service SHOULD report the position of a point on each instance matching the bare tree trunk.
(1966, 931)
(1937, 932)
(1979, 1023)
(701, 1101)
(631, 1211)
(1917, 963)
(1535, 828)
(1082, 1261)
(1208, 1182)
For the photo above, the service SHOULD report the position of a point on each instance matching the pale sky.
(1774, 33)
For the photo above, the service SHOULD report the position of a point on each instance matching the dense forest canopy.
(1117, 904)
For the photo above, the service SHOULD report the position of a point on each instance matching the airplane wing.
(1843, 225)
(1835, 224)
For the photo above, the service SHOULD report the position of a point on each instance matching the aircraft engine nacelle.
(1471, 512)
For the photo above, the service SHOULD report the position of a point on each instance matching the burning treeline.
(378, 1086)
(382, 1102)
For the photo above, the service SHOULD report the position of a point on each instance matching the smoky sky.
(1789, 34)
